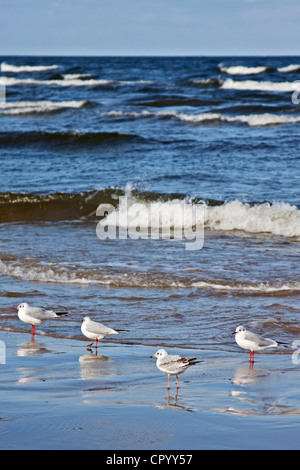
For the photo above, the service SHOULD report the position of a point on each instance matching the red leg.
(96, 341)
(32, 330)
(251, 356)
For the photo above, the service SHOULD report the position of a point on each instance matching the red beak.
(16, 308)
(234, 333)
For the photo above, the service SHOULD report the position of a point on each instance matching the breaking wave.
(64, 82)
(26, 68)
(33, 270)
(263, 119)
(243, 70)
(71, 81)
(253, 120)
(64, 138)
(277, 218)
(27, 107)
(289, 68)
(231, 84)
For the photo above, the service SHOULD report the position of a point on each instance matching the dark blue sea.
(161, 134)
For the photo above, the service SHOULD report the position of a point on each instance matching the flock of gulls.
(168, 364)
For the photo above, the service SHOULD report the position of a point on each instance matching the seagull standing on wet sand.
(95, 330)
(253, 342)
(36, 315)
(172, 364)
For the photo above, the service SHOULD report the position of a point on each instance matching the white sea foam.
(58, 275)
(71, 80)
(278, 218)
(242, 70)
(13, 81)
(43, 273)
(231, 84)
(289, 68)
(76, 76)
(35, 271)
(26, 68)
(155, 215)
(25, 107)
(259, 287)
(61, 275)
(253, 120)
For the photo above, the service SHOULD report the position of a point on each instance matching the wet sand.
(55, 394)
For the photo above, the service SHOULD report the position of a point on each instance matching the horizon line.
(148, 55)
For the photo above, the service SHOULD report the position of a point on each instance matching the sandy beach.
(55, 394)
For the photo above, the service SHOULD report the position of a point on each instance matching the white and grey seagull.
(172, 364)
(95, 330)
(35, 315)
(253, 342)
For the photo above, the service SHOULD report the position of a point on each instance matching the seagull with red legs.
(253, 342)
(36, 315)
(95, 330)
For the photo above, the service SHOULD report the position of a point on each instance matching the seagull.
(172, 364)
(36, 315)
(95, 330)
(252, 342)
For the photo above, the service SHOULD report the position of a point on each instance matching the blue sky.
(150, 27)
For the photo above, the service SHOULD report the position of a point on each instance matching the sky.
(150, 27)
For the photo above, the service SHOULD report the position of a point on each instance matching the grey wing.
(268, 342)
(98, 328)
(172, 357)
(259, 340)
(38, 313)
(48, 313)
(175, 365)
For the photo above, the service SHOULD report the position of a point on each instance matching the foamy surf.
(25, 107)
(34, 271)
(64, 82)
(243, 70)
(289, 68)
(231, 84)
(72, 80)
(278, 218)
(30, 271)
(274, 218)
(54, 273)
(249, 288)
(77, 76)
(252, 120)
(26, 68)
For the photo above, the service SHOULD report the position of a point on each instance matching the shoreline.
(55, 394)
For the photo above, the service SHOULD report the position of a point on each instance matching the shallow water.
(57, 395)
